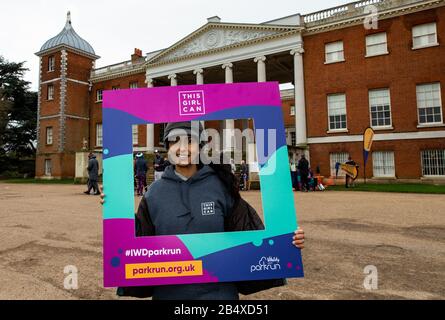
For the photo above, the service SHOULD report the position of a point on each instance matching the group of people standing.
(302, 175)
(303, 178)
(141, 169)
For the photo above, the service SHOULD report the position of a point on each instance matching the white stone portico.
(232, 52)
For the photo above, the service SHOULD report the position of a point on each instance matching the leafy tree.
(18, 114)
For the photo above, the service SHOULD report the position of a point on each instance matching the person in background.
(318, 179)
(244, 175)
(141, 173)
(93, 174)
(303, 167)
(348, 179)
(158, 165)
(293, 174)
(232, 165)
(166, 162)
(298, 180)
(312, 180)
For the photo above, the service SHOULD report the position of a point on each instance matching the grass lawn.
(403, 188)
(39, 181)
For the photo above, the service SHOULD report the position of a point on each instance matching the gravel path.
(44, 228)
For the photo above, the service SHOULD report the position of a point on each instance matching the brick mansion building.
(347, 73)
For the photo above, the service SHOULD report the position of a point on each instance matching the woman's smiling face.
(184, 151)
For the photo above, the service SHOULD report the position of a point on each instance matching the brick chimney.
(137, 57)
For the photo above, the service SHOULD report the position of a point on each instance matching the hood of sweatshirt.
(201, 174)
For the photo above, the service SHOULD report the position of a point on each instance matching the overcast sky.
(115, 27)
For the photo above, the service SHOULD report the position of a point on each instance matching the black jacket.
(243, 218)
(93, 169)
(159, 164)
(141, 166)
(303, 165)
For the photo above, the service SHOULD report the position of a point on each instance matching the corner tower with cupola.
(66, 61)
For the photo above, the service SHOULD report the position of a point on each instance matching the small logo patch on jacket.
(208, 208)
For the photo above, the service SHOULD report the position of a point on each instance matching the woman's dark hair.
(224, 173)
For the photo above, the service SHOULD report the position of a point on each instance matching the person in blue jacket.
(141, 169)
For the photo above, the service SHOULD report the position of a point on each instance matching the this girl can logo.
(191, 102)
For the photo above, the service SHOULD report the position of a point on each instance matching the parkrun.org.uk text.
(163, 269)
(152, 252)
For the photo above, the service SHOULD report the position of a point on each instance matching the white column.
(229, 125)
(199, 80)
(149, 82)
(261, 68)
(261, 77)
(150, 127)
(228, 68)
(300, 104)
(199, 76)
(173, 80)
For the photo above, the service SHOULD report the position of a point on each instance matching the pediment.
(218, 36)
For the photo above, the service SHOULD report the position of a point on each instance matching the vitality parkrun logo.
(266, 264)
(191, 102)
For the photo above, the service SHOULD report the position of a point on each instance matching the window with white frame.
(99, 135)
(429, 103)
(51, 63)
(292, 110)
(337, 111)
(376, 44)
(135, 134)
(50, 92)
(115, 87)
(49, 135)
(48, 167)
(99, 95)
(424, 35)
(133, 85)
(338, 157)
(383, 164)
(380, 108)
(433, 162)
(334, 52)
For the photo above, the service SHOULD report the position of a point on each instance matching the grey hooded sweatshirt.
(183, 206)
